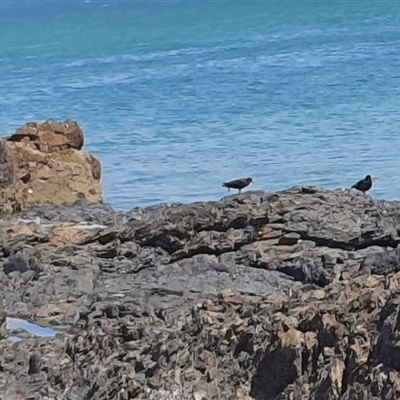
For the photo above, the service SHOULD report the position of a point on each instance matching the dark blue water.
(177, 97)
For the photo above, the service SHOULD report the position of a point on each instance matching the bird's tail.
(224, 185)
(353, 187)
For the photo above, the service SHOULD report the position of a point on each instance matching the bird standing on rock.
(365, 184)
(238, 184)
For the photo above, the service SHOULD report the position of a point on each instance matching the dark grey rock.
(198, 298)
(16, 264)
(289, 239)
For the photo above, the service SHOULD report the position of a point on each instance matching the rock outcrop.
(43, 163)
(286, 295)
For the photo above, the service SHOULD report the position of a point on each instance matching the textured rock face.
(287, 295)
(42, 163)
(50, 136)
(7, 165)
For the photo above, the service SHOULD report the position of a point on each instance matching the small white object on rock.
(200, 395)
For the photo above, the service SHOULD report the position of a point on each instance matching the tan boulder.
(7, 165)
(50, 135)
(49, 169)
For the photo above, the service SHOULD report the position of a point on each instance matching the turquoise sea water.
(176, 97)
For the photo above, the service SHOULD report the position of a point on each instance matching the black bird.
(238, 184)
(365, 184)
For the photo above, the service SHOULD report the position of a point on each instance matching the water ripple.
(178, 99)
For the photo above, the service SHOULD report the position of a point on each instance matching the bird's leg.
(240, 191)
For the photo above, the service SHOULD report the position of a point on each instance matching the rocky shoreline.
(263, 295)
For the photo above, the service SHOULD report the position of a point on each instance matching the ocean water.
(176, 97)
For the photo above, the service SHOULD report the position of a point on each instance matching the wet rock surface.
(43, 162)
(285, 295)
